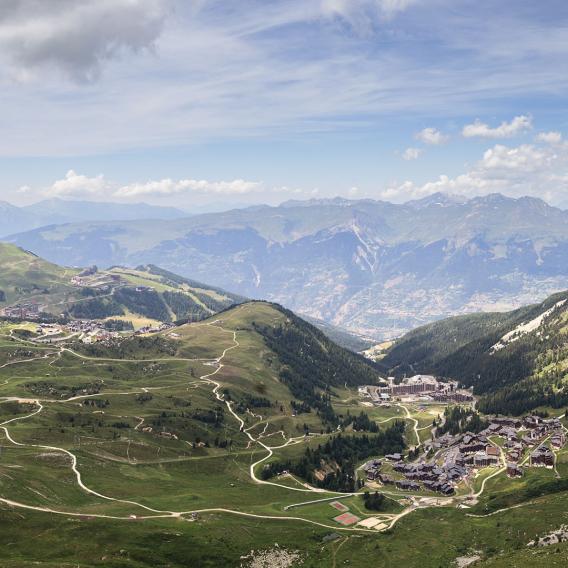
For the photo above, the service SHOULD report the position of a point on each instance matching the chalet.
(372, 469)
(527, 441)
(446, 440)
(482, 459)
(492, 451)
(538, 433)
(472, 448)
(513, 444)
(505, 421)
(394, 457)
(468, 438)
(385, 479)
(542, 457)
(513, 470)
(552, 424)
(514, 456)
(464, 459)
(558, 440)
(459, 396)
(325, 471)
(494, 429)
(440, 487)
(456, 472)
(405, 485)
(531, 421)
(510, 434)
(418, 475)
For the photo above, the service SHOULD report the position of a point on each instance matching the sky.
(217, 103)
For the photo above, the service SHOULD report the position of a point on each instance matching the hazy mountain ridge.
(372, 266)
(58, 211)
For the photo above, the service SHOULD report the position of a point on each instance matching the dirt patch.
(273, 558)
(555, 537)
(55, 458)
(464, 561)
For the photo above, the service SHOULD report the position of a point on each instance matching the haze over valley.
(376, 268)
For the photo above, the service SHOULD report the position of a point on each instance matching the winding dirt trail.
(157, 513)
(414, 421)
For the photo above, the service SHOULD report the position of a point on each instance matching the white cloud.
(522, 159)
(412, 154)
(74, 184)
(514, 171)
(552, 137)
(81, 186)
(432, 136)
(73, 36)
(169, 187)
(479, 129)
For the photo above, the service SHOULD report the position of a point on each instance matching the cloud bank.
(528, 169)
(99, 188)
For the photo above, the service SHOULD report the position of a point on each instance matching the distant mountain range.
(374, 267)
(57, 211)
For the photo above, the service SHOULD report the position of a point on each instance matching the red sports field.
(346, 519)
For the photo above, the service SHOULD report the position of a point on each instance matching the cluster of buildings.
(529, 434)
(92, 278)
(475, 450)
(154, 329)
(531, 439)
(422, 387)
(91, 331)
(528, 442)
(24, 311)
(416, 476)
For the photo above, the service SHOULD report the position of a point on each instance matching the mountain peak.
(439, 199)
(527, 201)
(337, 201)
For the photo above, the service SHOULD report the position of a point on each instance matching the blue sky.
(215, 101)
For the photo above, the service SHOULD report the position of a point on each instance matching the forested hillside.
(312, 363)
(516, 361)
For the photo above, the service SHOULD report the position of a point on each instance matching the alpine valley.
(375, 268)
(147, 419)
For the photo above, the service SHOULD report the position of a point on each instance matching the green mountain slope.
(23, 275)
(145, 295)
(311, 362)
(151, 450)
(516, 361)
